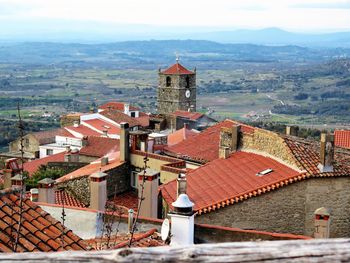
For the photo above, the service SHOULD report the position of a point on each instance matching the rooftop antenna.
(177, 57)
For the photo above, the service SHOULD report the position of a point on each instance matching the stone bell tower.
(177, 89)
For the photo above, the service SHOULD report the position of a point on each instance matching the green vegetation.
(42, 173)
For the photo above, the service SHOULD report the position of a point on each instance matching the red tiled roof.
(308, 158)
(114, 105)
(46, 137)
(32, 166)
(102, 125)
(177, 69)
(146, 239)
(128, 200)
(120, 117)
(100, 146)
(342, 138)
(226, 181)
(39, 231)
(143, 120)
(180, 135)
(64, 198)
(187, 114)
(203, 147)
(92, 168)
(83, 130)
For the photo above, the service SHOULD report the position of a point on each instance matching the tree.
(44, 172)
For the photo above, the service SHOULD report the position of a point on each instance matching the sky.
(292, 15)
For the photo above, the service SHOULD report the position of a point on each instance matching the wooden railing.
(321, 250)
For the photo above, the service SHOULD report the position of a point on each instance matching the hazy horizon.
(140, 20)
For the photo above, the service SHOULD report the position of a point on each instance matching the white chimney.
(182, 222)
(75, 124)
(126, 108)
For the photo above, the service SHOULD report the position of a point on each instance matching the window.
(168, 81)
(134, 179)
(187, 82)
(49, 151)
(132, 114)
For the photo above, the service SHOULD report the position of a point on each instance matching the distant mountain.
(103, 32)
(162, 52)
(276, 36)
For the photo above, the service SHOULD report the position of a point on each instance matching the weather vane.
(177, 57)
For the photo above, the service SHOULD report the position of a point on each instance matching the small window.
(168, 81)
(187, 82)
(134, 179)
(49, 151)
(132, 114)
(264, 172)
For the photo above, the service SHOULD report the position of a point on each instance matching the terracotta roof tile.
(82, 131)
(307, 154)
(180, 135)
(143, 120)
(114, 105)
(92, 168)
(177, 69)
(103, 125)
(203, 147)
(64, 198)
(223, 181)
(342, 138)
(120, 117)
(187, 114)
(32, 166)
(143, 239)
(38, 232)
(46, 137)
(128, 200)
(99, 146)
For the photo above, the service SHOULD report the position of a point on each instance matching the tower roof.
(177, 69)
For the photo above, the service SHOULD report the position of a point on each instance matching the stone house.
(257, 179)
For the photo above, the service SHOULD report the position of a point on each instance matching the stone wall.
(118, 180)
(67, 167)
(30, 144)
(173, 97)
(270, 143)
(290, 209)
(79, 188)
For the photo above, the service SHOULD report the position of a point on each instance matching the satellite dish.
(165, 229)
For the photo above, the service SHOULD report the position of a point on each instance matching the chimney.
(322, 223)
(105, 133)
(17, 181)
(229, 141)
(182, 222)
(67, 158)
(98, 191)
(92, 110)
(104, 161)
(85, 141)
(326, 153)
(149, 206)
(46, 191)
(7, 178)
(76, 124)
(181, 184)
(130, 220)
(74, 155)
(34, 194)
(124, 142)
(292, 130)
(126, 108)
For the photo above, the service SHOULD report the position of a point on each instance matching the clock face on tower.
(188, 93)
